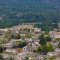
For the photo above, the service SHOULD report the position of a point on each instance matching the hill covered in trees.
(14, 12)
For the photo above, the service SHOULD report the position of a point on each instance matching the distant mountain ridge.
(31, 4)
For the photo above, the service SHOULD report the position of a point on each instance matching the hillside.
(32, 5)
(13, 12)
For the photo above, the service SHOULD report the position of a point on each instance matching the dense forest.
(14, 12)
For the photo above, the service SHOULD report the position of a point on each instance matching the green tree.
(1, 57)
(59, 44)
(48, 38)
(11, 58)
(16, 36)
(45, 48)
(1, 49)
(39, 49)
(42, 39)
(42, 49)
(20, 44)
(46, 28)
(50, 47)
(26, 58)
